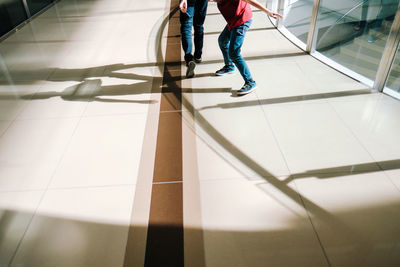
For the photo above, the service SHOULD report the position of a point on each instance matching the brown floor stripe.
(165, 231)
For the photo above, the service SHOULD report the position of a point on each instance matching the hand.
(274, 14)
(183, 6)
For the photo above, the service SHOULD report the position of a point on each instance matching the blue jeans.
(230, 42)
(194, 17)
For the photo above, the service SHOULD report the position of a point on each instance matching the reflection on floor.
(305, 171)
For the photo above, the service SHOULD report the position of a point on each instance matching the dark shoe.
(190, 69)
(197, 60)
(227, 69)
(247, 88)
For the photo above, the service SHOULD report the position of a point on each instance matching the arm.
(257, 4)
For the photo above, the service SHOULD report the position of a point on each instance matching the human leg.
(223, 42)
(235, 44)
(200, 12)
(186, 20)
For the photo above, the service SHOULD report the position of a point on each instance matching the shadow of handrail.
(347, 170)
(288, 99)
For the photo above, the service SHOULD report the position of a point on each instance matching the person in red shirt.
(238, 16)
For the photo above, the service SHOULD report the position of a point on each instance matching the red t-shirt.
(235, 12)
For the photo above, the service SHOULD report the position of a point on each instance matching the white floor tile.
(233, 132)
(373, 123)
(75, 92)
(276, 87)
(81, 227)
(126, 91)
(356, 217)
(16, 212)
(59, 100)
(103, 151)
(3, 126)
(325, 78)
(9, 109)
(314, 139)
(31, 150)
(251, 224)
(394, 176)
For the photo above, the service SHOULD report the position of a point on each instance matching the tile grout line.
(381, 169)
(355, 136)
(45, 190)
(15, 119)
(171, 182)
(313, 227)
(274, 135)
(26, 229)
(290, 173)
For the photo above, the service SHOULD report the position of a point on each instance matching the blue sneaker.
(247, 88)
(227, 69)
(371, 39)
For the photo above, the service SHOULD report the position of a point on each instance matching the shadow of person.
(92, 90)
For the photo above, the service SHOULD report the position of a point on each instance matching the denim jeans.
(194, 17)
(230, 42)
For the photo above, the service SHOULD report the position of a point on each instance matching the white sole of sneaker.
(245, 93)
(225, 73)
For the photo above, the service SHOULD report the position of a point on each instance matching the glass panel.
(297, 18)
(37, 5)
(393, 82)
(354, 32)
(12, 13)
(272, 4)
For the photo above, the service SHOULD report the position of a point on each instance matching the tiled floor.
(305, 171)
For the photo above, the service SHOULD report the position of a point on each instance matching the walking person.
(238, 16)
(192, 15)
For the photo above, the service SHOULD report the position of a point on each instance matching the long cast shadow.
(348, 232)
(347, 170)
(93, 238)
(289, 99)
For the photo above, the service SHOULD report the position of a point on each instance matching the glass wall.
(36, 5)
(354, 33)
(297, 18)
(357, 37)
(393, 82)
(12, 13)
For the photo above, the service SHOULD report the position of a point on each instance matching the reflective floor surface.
(305, 171)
